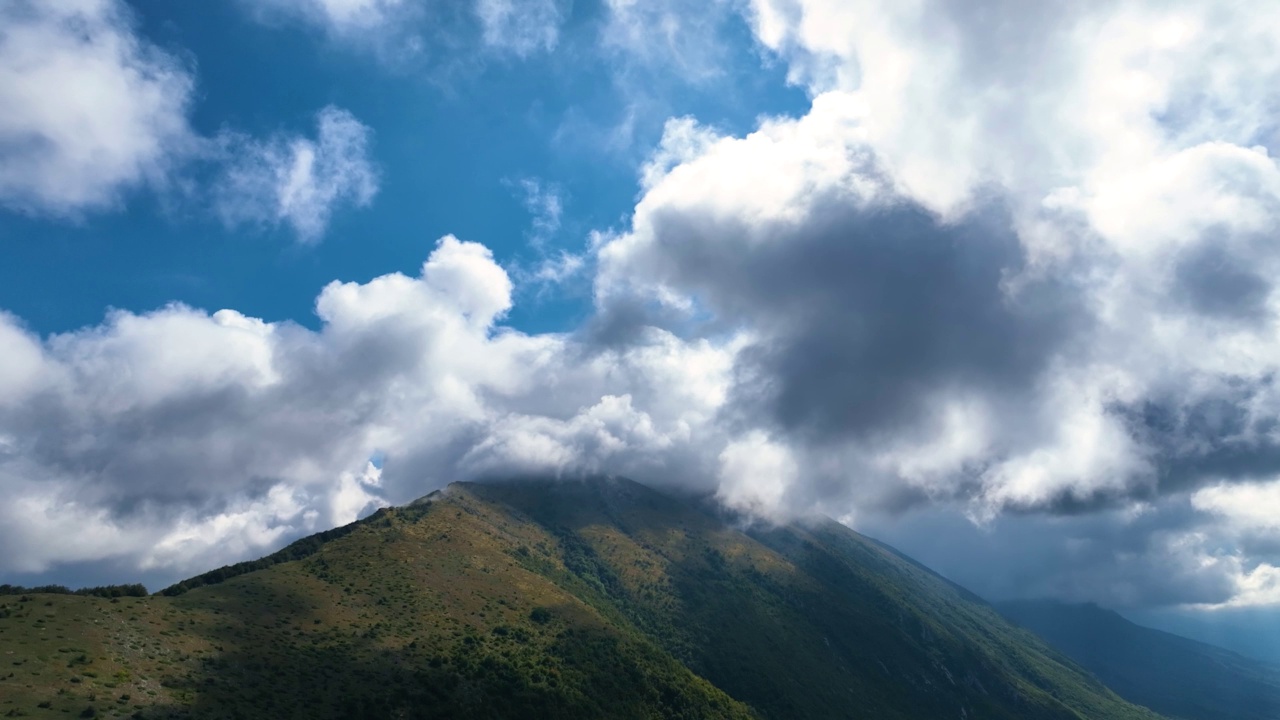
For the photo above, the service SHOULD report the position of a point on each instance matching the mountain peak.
(593, 597)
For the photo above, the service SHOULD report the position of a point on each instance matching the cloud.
(521, 27)
(545, 205)
(341, 17)
(755, 473)
(551, 266)
(998, 268)
(1051, 96)
(177, 439)
(295, 180)
(1251, 506)
(398, 31)
(117, 120)
(1007, 284)
(683, 40)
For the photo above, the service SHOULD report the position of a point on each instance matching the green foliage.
(104, 591)
(549, 600)
(304, 548)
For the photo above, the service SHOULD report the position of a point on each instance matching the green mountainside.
(595, 599)
(1179, 677)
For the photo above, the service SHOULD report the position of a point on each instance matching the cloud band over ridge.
(998, 273)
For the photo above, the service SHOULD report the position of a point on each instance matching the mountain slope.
(574, 599)
(1179, 677)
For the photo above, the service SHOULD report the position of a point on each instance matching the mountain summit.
(564, 599)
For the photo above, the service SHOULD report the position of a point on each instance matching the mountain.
(573, 599)
(1173, 675)
(1251, 631)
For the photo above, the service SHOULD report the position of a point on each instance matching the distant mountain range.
(574, 599)
(1253, 632)
(1175, 676)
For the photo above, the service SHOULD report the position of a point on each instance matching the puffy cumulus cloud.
(1009, 284)
(1007, 269)
(117, 118)
(1245, 516)
(295, 180)
(1051, 95)
(177, 439)
(868, 314)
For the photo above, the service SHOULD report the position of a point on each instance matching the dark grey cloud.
(1043, 375)
(1108, 557)
(1218, 436)
(869, 317)
(1215, 282)
(983, 307)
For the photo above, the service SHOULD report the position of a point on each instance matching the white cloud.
(545, 205)
(91, 110)
(1244, 517)
(1256, 587)
(1050, 96)
(296, 180)
(521, 27)
(755, 473)
(399, 30)
(246, 526)
(177, 439)
(997, 269)
(559, 268)
(342, 17)
(1251, 506)
(1021, 265)
(683, 39)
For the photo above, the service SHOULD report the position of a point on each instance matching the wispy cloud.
(552, 265)
(1060, 301)
(341, 17)
(294, 180)
(545, 205)
(521, 27)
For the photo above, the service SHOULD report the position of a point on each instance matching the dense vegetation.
(1179, 677)
(539, 600)
(306, 547)
(106, 591)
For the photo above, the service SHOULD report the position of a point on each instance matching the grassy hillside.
(1179, 677)
(565, 600)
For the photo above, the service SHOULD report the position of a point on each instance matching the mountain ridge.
(595, 598)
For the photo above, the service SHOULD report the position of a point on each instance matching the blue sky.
(457, 134)
(1001, 294)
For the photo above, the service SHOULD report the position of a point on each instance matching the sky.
(991, 281)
